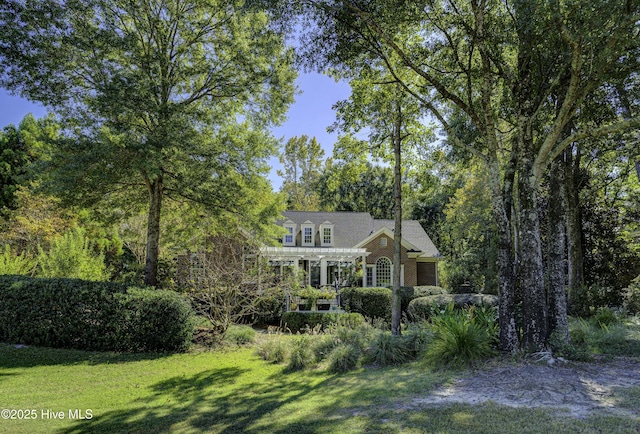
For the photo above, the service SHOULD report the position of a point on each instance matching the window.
(307, 234)
(383, 272)
(383, 242)
(290, 236)
(370, 281)
(326, 234)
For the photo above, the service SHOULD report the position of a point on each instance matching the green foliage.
(370, 302)
(417, 337)
(240, 334)
(16, 264)
(156, 320)
(423, 308)
(588, 337)
(301, 355)
(274, 350)
(632, 297)
(298, 321)
(605, 317)
(301, 160)
(585, 300)
(386, 349)
(410, 293)
(72, 255)
(154, 116)
(343, 358)
(461, 337)
(104, 316)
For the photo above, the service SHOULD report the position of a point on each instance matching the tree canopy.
(157, 99)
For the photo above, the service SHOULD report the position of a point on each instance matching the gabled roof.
(413, 232)
(352, 228)
(349, 227)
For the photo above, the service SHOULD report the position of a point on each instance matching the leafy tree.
(302, 161)
(158, 100)
(16, 264)
(345, 186)
(519, 72)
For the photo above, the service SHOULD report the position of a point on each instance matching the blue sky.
(311, 113)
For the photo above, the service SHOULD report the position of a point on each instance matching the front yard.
(234, 391)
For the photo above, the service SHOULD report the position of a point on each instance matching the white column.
(323, 271)
(364, 271)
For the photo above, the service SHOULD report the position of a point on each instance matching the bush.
(460, 338)
(632, 297)
(102, 316)
(15, 264)
(273, 350)
(301, 355)
(586, 300)
(410, 293)
(422, 308)
(156, 320)
(370, 302)
(297, 321)
(343, 358)
(240, 334)
(72, 255)
(386, 349)
(417, 338)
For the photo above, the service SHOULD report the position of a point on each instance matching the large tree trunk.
(509, 337)
(556, 292)
(574, 221)
(397, 235)
(155, 188)
(530, 267)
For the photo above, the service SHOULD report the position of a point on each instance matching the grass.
(236, 391)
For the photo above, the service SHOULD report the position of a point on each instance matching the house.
(333, 247)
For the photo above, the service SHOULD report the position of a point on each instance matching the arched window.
(383, 272)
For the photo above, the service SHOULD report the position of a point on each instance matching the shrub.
(301, 355)
(240, 334)
(410, 293)
(103, 316)
(422, 308)
(72, 255)
(386, 349)
(459, 339)
(273, 350)
(156, 320)
(343, 358)
(370, 302)
(15, 264)
(297, 321)
(585, 301)
(632, 297)
(417, 338)
(605, 317)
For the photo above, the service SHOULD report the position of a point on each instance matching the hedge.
(370, 302)
(422, 307)
(297, 321)
(100, 316)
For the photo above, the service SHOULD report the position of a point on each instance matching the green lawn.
(234, 391)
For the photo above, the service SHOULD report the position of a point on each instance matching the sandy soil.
(572, 389)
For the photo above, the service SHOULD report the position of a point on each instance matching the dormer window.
(326, 234)
(308, 230)
(289, 238)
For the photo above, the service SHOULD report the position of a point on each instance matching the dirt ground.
(571, 389)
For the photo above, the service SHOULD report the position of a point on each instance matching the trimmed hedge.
(422, 307)
(370, 302)
(98, 316)
(297, 321)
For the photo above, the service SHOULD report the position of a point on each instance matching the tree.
(158, 99)
(348, 186)
(302, 162)
(379, 104)
(519, 72)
